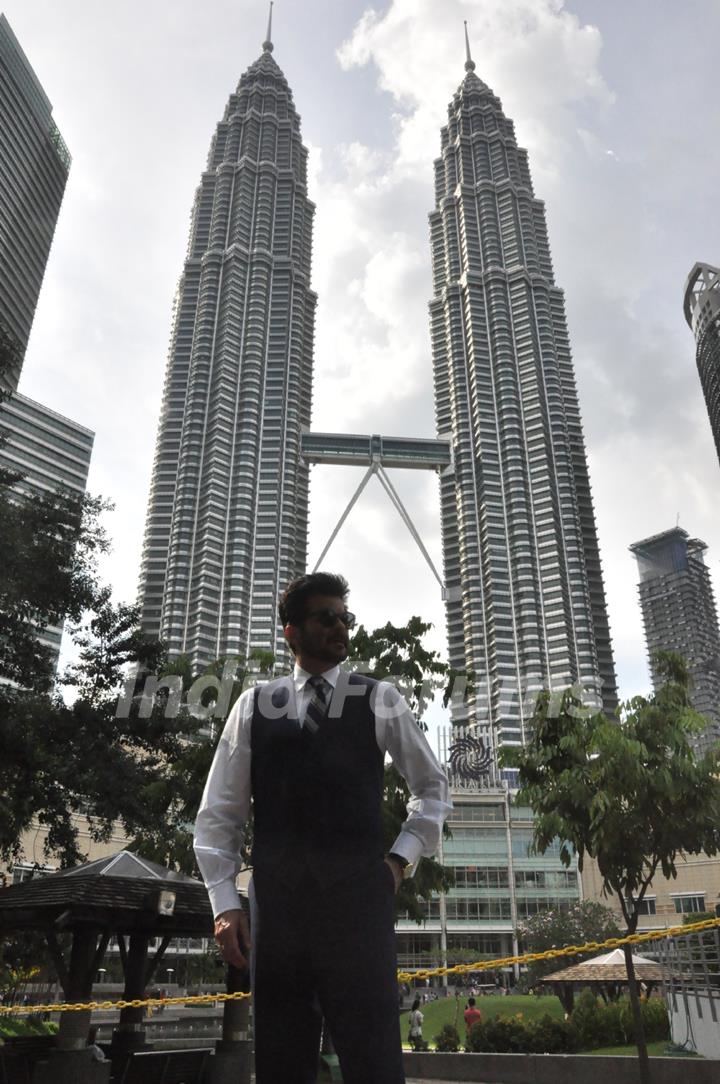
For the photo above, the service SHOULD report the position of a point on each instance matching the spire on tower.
(469, 62)
(267, 44)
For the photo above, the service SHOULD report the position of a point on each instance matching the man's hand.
(232, 934)
(397, 871)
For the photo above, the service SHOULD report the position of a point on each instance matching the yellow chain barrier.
(403, 976)
(568, 950)
(136, 1003)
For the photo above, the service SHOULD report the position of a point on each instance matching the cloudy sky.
(613, 100)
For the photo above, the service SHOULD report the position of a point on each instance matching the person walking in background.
(472, 1015)
(416, 1022)
(308, 752)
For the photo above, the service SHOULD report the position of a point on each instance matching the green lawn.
(659, 1049)
(444, 1011)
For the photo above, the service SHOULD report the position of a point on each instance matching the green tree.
(578, 924)
(174, 798)
(628, 792)
(397, 653)
(48, 551)
(61, 761)
(391, 652)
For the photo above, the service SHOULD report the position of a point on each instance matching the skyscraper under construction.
(227, 520)
(679, 614)
(702, 312)
(526, 605)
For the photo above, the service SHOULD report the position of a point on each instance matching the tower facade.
(702, 312)
(679, 614)
(227, 519)
(525, 598)
(49, 452)
(35, 166)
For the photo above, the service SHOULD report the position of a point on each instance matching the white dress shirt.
(220, 824)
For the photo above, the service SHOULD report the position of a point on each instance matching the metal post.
(232, 1059)
(442, 899)
(511, 879)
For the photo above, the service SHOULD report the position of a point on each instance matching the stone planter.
(556, 1069)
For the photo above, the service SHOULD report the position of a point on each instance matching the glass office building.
(499, 884)
(34, 165)
(50, 452)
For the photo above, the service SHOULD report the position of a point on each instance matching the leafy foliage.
(48, 551)
(61, 761)
(397, 653)
(628, 792)
(599, 1024)
(448, 1039)
(173, 800)
(582, 922)
(109, 640)
(58, 762)
(10, 1026)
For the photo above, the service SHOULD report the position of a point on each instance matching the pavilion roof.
(120, 892)
(607, 968)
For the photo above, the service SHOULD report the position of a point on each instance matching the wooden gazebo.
(122, 896)
(606, 974)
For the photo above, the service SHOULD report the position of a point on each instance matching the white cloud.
(619, 131)
(545, 64)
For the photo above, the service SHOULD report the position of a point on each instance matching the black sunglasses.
(328, 617)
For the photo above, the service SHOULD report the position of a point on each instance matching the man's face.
(319, 638)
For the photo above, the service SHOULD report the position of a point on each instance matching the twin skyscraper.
(227, 521)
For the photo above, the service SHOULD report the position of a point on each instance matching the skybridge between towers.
(378, 453)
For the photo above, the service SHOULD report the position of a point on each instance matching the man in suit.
(307, 751)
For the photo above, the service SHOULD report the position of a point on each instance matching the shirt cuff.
(408, 846)
(224, 897)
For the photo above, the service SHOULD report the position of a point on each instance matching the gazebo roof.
(120, 893)
(607, 968)
(126, 864)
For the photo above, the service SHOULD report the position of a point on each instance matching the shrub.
(499, 1035)
(597, 1024)
(510, 1035)
(587, 1021)
(25, 1025)
(448, 1040)
(549, 1035)
(617, 1029)
(655, 1019)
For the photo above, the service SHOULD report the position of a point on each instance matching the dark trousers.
(326, 951)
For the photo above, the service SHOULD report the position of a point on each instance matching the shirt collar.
(300, 677)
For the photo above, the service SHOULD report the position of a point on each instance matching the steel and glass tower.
(525, 599)
(679, 614)
(34, 166)
(702, 312)
(227, 520)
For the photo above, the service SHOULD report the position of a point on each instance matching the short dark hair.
(295, 596)
(471, 1002)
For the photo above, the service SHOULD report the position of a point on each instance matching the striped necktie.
(318, 706)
